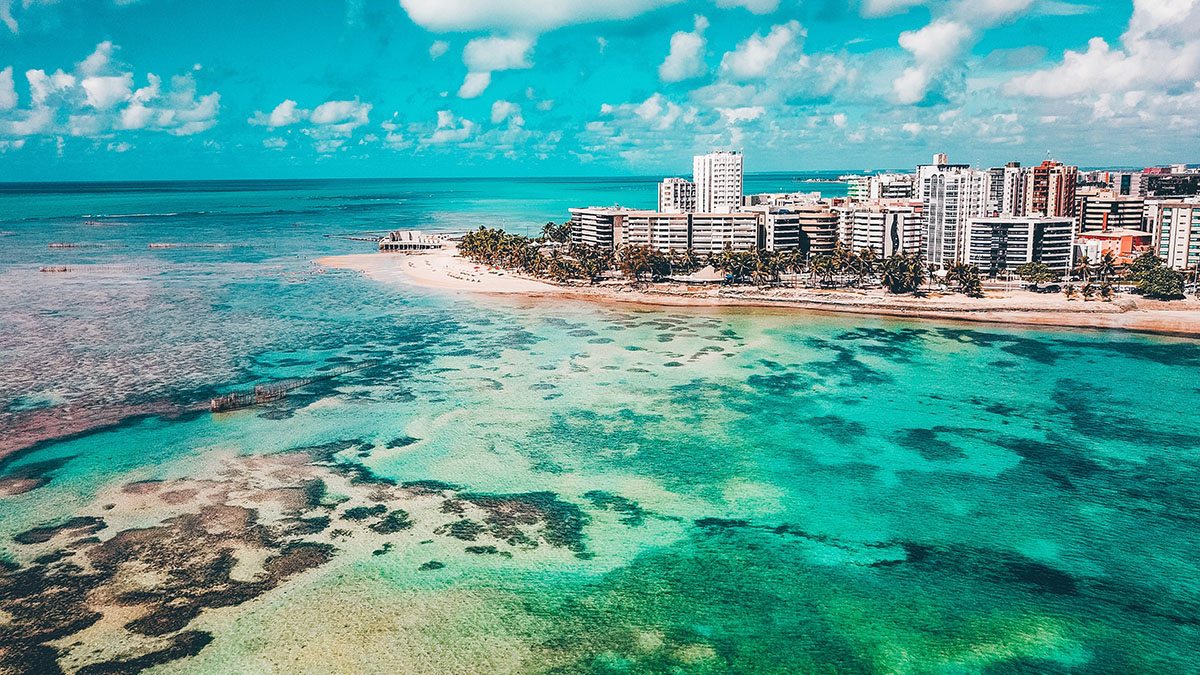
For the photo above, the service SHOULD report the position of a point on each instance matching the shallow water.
(620, 489)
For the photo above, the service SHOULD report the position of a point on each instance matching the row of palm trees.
(550, 257)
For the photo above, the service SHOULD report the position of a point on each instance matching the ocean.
(515, 485)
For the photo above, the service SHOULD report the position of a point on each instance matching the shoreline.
(445, 271)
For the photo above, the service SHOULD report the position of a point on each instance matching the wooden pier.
(267, 393)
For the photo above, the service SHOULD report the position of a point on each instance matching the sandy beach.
(443, 270)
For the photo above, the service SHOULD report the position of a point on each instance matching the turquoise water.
(618, 489)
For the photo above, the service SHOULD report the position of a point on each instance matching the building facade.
(1005, 243)
(1107, 211)
(1050, 189)
(598, 226)
(677, 195)
(1006, 190)
(886, 230)
(718, 179)
(951, 194)
(1177, 234)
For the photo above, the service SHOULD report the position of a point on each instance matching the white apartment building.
(1006, 190)
(598, 226)
(714, 232)
(818, 228)
(660, 231)
(677, 195)
(1105, 210)
(718, 179)
(882, 186)
(1005, 243)
(1177, 234)
(886, 229)
(950, 194)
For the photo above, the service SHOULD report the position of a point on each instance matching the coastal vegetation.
(553, 257)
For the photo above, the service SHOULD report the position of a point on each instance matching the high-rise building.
(818, 229)
(950, 195)
(1104, 210)
(1050, 189)
(1128, 183)
(598, 226)
(1000, 244)
(886, 229)
(718, 179)
(677, 195)
(1177, 234)
(1006, 190)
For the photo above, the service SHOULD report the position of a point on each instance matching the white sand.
(445, 271)
(440, 269)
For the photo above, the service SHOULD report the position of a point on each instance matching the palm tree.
(1070, 291)
(1106, 267)
(1083, 268)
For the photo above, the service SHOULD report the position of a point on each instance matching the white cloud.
(1160, 50)
(474, 84)
(119, 146)
(99, 59)
(755, 6)
(341, 117)
(755, 56)
(8, 91)
(275, 143)
(745, 114)
(526, 16)
(503, 110)
(105, 92)
(878, 8)
(284, 114)
(98, 99)
(483, 56)
(438, 49)
(450, 129)
(933, 47)
(839, 120)
(686, 57)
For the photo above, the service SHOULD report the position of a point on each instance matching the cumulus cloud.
(686, 58)
(504, 110)
(438, 49)
(98, 98)
(483, 56)
(329, 124)
(449, 129)
(755, 6)
(757, 54)
(525, 16)
(1159, 51)
(8, 91)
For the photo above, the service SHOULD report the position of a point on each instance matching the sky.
(149, 89)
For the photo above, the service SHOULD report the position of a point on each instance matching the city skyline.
(420, 88)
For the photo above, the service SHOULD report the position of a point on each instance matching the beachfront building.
(950, 194)
(782, 199)
(1050, 189)
(818, 228)
(658, 230)
(1123, 244)
(718, 179)
(885, 229)
(1104, 210)
(1177, 234)
(1006, 190)
(412, 241)
(677, 195)
(882, 186)
(714, 232)
(1005, 243)
(598, 226)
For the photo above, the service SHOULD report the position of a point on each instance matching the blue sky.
(143, 89)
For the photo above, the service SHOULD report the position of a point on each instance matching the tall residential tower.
(718, 179)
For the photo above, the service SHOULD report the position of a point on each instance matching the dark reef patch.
(631, 513)
(840, 429)
(926, 442)
(78, 526)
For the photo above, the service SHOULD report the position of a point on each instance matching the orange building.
(1124, 244)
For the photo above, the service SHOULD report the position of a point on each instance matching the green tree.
(1161, 283)
(1036, 273)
